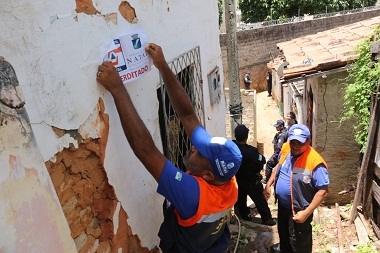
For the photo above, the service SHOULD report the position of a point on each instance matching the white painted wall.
(56, 57)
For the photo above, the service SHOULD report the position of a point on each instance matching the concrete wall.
(106, 195)
(332, 138)
(254, 45)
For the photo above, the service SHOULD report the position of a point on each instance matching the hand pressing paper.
(127, 54)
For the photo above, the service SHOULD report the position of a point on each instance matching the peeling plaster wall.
(29, 208)
(55, 48)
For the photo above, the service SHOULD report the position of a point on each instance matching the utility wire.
(239, 231)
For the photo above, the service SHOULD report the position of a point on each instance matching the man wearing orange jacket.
(197, 202)
(301, 183)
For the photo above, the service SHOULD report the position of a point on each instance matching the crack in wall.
(10, 94)
(13, 116)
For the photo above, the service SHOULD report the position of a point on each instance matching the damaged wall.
(97, 220)
(334, 139)
(29, 208)
(97, 190)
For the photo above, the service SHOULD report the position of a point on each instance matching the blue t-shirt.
(181, 189)
(319, 180)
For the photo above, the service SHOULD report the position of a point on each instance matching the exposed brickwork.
(88, 201)
(85, 6)
(128, 12)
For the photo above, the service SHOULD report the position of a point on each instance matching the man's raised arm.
(177, 94)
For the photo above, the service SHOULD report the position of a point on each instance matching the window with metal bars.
(187, 68)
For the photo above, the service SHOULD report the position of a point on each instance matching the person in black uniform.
(269, 83)
(248, 178)
(278, 140)
(247, 81)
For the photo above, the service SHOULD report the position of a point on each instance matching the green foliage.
(316, 227)
(357, 97)
(260, 10)
(365, 249)
(220, 8)
(348, 206)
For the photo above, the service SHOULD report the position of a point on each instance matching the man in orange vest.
(198, 202)
(301, 184)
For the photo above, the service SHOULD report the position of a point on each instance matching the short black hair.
(241, 132)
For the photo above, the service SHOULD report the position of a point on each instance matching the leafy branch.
(362, 82)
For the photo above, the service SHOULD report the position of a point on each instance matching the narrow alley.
(254, 237)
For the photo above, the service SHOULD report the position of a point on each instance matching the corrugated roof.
(326, 50)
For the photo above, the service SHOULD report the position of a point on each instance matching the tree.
(260, 10)
(220, 8)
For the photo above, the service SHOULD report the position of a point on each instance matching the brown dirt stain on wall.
(88, 200)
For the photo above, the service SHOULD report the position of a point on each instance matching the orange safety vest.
(303, 166)
(215, 201)
(285, 149)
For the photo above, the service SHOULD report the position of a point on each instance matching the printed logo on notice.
(136, 42)
(178, 176)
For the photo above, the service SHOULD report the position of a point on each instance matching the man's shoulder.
(248, 147)
(283, 133)
(317, 158)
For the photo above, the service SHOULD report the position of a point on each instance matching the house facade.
(67, 172)
(309, 77)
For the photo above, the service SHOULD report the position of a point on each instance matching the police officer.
(247, 80)
(248, 178)
(280, 138)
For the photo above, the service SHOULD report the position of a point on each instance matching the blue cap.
(225, 157)
(298, 132)
(279, 122)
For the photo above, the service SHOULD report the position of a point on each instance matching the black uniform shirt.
(252, 162)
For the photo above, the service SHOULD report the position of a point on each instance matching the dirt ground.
(329, 221)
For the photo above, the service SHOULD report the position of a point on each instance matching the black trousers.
(271, 163)
(294, 237)
(269, 88)
(254, 189)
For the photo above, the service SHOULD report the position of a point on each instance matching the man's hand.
(267, 191)
(109, 77)
(301, 216)
(155, 51)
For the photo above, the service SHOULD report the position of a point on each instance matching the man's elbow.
(324, 193)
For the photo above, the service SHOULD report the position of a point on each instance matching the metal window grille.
(187, 68)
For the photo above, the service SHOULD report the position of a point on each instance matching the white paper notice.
(128, 55)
